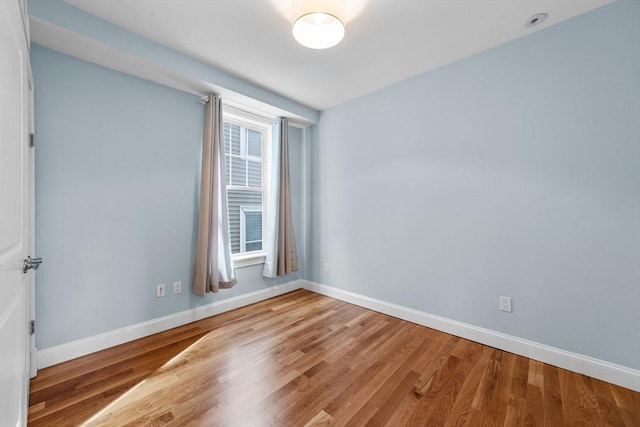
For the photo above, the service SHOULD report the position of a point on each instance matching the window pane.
(253, 224)
(238, 171)
(226, 165)
(253, 143)
(235, 139)
(255, 173)
(254, 246)
(234, 222)
(248, 199)
(227, 137)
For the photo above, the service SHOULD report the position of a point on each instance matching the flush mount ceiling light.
(318, 24)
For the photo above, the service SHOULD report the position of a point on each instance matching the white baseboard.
(64, 352)
(600, 369)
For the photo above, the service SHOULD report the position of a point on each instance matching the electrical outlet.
(177, 287)
(326, 267)
(505, 304)
(160, 291)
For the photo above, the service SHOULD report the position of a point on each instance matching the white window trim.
(247, 259)
(265, 127)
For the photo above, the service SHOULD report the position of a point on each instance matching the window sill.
(245, 260)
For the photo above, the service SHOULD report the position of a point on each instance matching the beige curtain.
(282, 257)
(214, 265)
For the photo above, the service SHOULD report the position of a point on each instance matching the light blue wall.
(117, 165)
(514, 172)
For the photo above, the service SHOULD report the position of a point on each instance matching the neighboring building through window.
(245, 148)
(250, 229)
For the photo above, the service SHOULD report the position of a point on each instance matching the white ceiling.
(386, 41)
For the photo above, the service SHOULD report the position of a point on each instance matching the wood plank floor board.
(496, 400)
(535, 407)
(439, 348)
(302, 359)
(399, 371)
(609, 412)
(552, 397)
(446, 399)
(462, 412)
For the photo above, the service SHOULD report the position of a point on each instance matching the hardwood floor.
(303, 359)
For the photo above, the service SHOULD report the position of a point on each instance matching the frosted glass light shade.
(318, 30)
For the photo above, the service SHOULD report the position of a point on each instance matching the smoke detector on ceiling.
(535, 19)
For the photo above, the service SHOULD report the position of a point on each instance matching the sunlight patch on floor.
(149, 385)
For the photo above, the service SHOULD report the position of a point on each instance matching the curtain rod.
(239, 109)
(205, 100)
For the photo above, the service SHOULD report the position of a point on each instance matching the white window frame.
(265, 127)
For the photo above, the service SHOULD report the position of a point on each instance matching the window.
(246, 139)
(250, 229)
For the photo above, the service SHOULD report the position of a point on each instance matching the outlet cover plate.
(177, 287)
(505, 304)
(160, 291)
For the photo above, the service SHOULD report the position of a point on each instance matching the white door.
(14, 215)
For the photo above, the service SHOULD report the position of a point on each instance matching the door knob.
(31, 263)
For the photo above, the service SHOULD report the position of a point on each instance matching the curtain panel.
(282, 257)
(214, 265)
